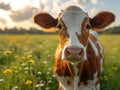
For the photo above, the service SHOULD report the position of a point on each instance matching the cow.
(79, 57)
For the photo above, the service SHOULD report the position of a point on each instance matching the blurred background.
(27, 53)
(18, 14)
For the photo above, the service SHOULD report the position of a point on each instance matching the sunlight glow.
(19, 4)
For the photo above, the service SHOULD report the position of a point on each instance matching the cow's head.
(73, 26)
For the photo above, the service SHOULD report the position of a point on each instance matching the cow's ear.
(45, 21)
(101, 20)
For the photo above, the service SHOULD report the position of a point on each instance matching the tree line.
(113, 30)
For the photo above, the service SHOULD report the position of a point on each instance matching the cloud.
(94, 1)
(20, 12)
(93, 12)
(5, 19)
(4, 6)
(23, 15)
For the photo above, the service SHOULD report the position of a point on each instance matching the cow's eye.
(59, 26)
(88, 26)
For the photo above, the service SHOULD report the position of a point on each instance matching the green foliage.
(29, 65)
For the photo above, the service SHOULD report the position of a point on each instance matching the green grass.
(32, 59)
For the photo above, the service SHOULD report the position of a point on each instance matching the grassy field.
(27, 61)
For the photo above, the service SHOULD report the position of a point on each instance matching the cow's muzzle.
(74, 53)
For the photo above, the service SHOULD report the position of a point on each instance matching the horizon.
(19, 13)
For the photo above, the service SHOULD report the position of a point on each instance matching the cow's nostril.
(81, 52)
(67, 52)
(74, 52)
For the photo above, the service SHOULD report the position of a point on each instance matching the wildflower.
(7, 52)
(106, 78)
(26, 68)
(7, 72)
(114, 68)
(29, 56)
(1, 80)
(39, 85)
(23, 64)
(53, 76)
(50, 81)
(111, 74)
(16, 56)
(47, 88)
(48, 73)
(49, 69)
(16, 71)
(31, 61)
(15, 88)
(28, 82)
(26, 72)
(23, 57)
(45, 62)
(39, 73)
(14, 67)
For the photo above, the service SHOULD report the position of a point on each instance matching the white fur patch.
(101, 48)
(90, 85)
(101, 64)
(84, 87)
(94, 33)
(73, 18)
(94, 47)
(63, 82)
(92, 82)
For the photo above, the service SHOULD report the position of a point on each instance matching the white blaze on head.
(73, 18)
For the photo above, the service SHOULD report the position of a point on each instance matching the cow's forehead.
(73, 16)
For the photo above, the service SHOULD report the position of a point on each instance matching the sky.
(19, 13)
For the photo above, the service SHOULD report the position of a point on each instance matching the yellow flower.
(23, 57)
(14, 67)
(106, 78)
(31, 61)
(28, 82)
(111, 74)
(114, 68)
(29, 56)
(7, 71)
(7, 52)
(16, 56)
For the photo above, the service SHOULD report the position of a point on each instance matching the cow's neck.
(78, 68)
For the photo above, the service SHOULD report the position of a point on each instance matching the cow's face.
(73, 27)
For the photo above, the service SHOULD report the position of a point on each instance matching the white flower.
(1, 80)
(23, 64)
(45, 62)
(50, 81)
(47, 88)
(39, 85)
(39, 73)
(26, 68)
(53, 75)
(48, 73)
(15, 88)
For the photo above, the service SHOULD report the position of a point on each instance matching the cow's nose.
(74, 52)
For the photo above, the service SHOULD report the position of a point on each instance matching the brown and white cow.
(79, 56)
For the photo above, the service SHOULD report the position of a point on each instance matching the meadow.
(27, 62)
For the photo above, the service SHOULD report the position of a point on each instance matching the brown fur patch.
(63, 34)
(92, 65)
(83, 38)
(63, 68)
(68, 82)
